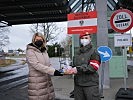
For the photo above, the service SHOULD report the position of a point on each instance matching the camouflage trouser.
(86, 93)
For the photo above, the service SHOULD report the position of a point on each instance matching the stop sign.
(122, 20)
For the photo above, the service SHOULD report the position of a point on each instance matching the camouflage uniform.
(86, 81)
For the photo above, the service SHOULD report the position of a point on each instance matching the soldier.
(87, 62)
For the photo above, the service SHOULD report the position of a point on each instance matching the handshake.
(68, 70)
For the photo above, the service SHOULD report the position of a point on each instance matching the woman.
(40, 86)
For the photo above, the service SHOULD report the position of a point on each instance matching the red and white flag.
(78, 23)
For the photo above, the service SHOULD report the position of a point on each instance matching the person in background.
(87, 62)
(40, 86)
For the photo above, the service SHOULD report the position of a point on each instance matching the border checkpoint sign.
(122, 20)
(79, 23)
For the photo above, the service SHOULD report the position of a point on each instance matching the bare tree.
(50, 30)
(66, 43)
(4, 39)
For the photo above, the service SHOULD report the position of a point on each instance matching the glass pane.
(117, 51)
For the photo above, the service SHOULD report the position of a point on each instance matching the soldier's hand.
(70, 71)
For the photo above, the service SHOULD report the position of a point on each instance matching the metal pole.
(131, 46)
(101, 7)
(102, 79)
(124, 69)
(72, 47)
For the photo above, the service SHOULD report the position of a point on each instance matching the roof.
(15, 12)
(112, 5)
(127, 4)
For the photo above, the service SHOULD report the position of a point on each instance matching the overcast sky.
(20, 36)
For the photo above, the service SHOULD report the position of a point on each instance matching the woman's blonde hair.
(40, 35)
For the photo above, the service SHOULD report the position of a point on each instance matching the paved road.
(13, 79)
(63, 85)
(16, 74)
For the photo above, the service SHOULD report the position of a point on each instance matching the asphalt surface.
(63, 85)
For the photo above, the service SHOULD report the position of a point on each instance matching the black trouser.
(86, 93)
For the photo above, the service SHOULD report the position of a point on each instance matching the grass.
(6, 62)
(20, 56)
(23, 62)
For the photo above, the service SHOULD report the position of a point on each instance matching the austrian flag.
(79, 23)
(95, 64)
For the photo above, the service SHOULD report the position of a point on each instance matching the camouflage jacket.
(87, 61)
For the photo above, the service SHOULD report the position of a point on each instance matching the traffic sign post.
(125, 68)
(123, 40)
(122, 20)
(105, 54)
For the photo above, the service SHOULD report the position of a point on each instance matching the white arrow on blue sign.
(105, 53)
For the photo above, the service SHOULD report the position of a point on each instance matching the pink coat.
(40, 86)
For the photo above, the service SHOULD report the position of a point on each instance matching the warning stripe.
(95, 64)
(81, 23)
(77, 30)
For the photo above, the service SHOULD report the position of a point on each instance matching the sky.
(20, 36)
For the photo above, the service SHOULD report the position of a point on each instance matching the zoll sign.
(122, 20)
(79, 23)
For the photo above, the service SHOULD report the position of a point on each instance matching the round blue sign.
(105, 53)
